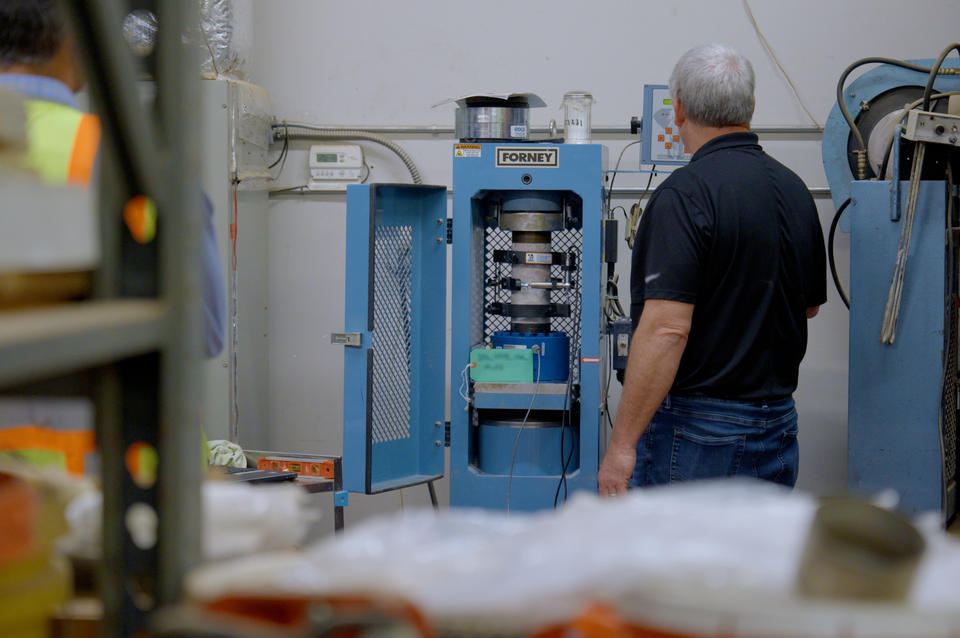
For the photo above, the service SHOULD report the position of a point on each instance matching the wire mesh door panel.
(392, 307)
(394, 366)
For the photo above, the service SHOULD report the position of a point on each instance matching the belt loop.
(666, 401)
(766, 408)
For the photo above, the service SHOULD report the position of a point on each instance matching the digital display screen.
(326, 157)
(668, 101)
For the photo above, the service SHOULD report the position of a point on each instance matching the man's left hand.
(616, 469)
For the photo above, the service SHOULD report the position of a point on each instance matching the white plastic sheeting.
(692, 545)
(238, 519)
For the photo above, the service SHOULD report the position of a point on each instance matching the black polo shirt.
(735, 233)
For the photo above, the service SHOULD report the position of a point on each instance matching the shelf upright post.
(153, 397)
(181, 459)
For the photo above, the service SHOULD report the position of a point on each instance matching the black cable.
(565, 419)
(653, 171)
(928, 89)
(563, 425)
(646, 189)
(283, 151)
(606, 394)
(833, 264)
(563, 428)
(566, 464)
(882, 175)
(615, 169)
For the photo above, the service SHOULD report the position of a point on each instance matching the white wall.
(369, 62)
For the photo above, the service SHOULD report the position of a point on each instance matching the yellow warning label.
(466, 150)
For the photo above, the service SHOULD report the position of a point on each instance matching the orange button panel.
(668, 145)
(669, 130)
(323, 469)
(676, 138)
(659, 138)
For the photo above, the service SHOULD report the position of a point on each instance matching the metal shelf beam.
(43, 342)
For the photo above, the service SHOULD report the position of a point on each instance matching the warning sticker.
(466, 150)
(538, 258)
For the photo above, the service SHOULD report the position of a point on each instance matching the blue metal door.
(395, 321)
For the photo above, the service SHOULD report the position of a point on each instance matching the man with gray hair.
(728, 265)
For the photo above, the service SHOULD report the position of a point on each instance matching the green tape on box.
(501, 365)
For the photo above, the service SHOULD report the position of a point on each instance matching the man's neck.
(62, 66)
(696, 135)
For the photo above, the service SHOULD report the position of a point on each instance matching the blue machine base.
(552, 363)
(538, 450)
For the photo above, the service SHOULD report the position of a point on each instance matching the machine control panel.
(938, 128)
(660, 138)
(333, 166)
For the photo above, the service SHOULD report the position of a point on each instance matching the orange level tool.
(323, 469)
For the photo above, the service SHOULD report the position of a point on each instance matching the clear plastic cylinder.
(576, 117)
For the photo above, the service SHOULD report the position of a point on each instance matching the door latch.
(351, 339)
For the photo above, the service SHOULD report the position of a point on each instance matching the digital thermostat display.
(333, 166)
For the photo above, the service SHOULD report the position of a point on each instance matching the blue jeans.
(691, 438)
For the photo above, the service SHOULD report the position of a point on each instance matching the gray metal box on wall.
(236, 128)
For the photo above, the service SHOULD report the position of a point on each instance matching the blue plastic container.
(551, 363)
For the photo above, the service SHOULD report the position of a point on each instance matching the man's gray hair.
(714, 83)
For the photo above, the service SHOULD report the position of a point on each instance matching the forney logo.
(545, 157)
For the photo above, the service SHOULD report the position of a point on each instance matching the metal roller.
(533, 221)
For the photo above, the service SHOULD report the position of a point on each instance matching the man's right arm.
(655, 352)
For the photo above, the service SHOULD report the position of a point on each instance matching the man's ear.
(679, 117)
(70, 65)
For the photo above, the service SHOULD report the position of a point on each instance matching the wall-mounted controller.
(333, 166)
(660, 141)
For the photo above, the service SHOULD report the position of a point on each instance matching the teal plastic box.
(501, 365)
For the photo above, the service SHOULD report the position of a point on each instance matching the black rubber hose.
(833, 262)
(928, 89)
